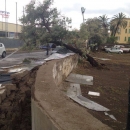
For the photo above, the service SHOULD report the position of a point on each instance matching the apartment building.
(123, 35)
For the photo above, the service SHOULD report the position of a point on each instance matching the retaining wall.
(51, 108)
(57, 71)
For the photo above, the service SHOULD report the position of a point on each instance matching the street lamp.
(83, 10)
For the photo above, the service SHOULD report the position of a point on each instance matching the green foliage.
(116, 22)
(83, 32)
(111, 39)
(96, 33)
(43, 23)
(27, 61)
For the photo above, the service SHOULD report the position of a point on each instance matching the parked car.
(114, 50)
(2, 50)
(122, 47)
(50, 45)
(125, 49)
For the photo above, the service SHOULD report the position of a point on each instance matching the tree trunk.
(91, 60)
(116, 29)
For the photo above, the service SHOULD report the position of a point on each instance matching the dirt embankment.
(15, 110)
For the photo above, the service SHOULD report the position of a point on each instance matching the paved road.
(18, 58)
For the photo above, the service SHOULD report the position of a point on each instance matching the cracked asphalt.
(18, 58)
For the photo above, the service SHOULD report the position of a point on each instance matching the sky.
(72, 9)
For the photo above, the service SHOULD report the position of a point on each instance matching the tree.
(105, 24)
(118, 21)
(43, 23)
(95, 31)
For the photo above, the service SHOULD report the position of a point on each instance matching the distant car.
(114, 50)
(2, 50)
(50, 45)
(56, 49)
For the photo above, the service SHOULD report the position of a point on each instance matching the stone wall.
(57, 71)
(62, 68)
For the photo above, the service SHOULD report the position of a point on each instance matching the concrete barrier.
(51, 108)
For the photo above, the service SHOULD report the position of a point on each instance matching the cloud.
(72, 8)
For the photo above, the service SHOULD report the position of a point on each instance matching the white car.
(114, 50)
(2, 50)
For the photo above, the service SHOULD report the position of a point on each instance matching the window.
(129, 39)
(118, 38)
(126, 31)
(119, 30)
(125, 39)
(129, 24)
(129, 30)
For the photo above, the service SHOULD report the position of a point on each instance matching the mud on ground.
(112, 84)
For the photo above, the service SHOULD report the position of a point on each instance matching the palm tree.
(104, 21)
(104, 24)
(118, 21)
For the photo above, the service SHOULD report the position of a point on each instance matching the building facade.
(123, 34)
(10, 30)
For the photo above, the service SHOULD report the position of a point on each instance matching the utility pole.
(23, 15)
(16, 21)
(5, 19)
(83, 10)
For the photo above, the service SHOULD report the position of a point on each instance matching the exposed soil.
(112, 84)
(15, 110)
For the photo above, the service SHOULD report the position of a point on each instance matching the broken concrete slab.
(74, 92)
(80, 79)
(92, 105)
(111, 116)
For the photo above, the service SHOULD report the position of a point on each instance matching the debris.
(93, 93)
(58, 56)
(106, 113)
(111, 116)
(74, 92)
(18, 69)
(80, 79)
(101, 58)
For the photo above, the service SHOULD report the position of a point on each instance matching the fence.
(11, 43)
